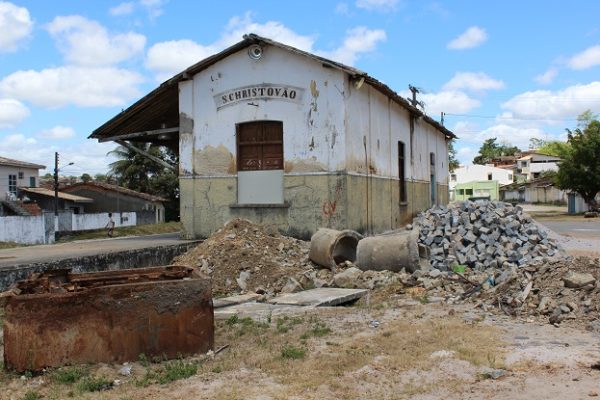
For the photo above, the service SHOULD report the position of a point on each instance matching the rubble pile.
(243, 256)
(482, 235)
(559, 290)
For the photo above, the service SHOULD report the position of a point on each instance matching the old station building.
(280, 136)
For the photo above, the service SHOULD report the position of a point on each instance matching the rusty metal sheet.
(60, 318)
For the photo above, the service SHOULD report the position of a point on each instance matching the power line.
(509, 118)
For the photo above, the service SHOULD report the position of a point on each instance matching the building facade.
(15, 174)
(283, 137)
(532, 165)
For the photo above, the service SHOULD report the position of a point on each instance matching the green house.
(476, 189)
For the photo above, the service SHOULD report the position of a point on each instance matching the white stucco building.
(270, 133)
(15, 174)
(533, 164)
(477, 172)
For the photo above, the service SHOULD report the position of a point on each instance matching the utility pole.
(56, 184)
(414, 91)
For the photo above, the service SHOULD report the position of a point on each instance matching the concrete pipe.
(390, 252)
(329, 247)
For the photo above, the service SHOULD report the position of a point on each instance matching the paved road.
(81, 248)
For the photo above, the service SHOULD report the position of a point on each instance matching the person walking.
(110, 225)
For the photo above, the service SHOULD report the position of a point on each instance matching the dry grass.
(138, 230)
(331, 361)
(321, 355)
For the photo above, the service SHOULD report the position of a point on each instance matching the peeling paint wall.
(340, 148)
(311, 126)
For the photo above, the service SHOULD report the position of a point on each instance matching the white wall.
(312, 127)
(8, 170)
(383, 123)
(82, 222)
(25, 230)
(476, 172)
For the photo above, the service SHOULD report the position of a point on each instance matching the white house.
(533, 164)
(477, 172)
(15, 174)
(281, 136)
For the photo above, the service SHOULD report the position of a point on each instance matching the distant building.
(45, 199)
(530, 166)
(476, 190)
(467, 176)
(15, 174)
(112, 198)
(540, 190)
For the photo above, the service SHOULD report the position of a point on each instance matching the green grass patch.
(32, 395)
(10, 245)
(319, 329)
(89, 384)
(176, 370)
(140, 230)
(69, 375)
(293, 352)
(285, 324)
(246, 325)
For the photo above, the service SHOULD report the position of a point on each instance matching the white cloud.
(12, 112)
(80, 86)
(154, 8)
(15, 26)
(59, 132)
(447, 101)
(89, 156)
(125, 8)
(514, 135)
(472, 37)
(86, 42)
(377, 5)
(588, 58)
(14, 143)
(547, 77)
(358, 40)
(475, 81)
(545, 104)
(342, 8)
(168, 58)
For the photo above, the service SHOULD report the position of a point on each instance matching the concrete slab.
(233, 300)
(258, 311)
(320, 297)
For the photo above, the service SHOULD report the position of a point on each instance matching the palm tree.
(137, 172)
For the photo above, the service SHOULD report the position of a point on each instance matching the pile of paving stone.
(482, 235)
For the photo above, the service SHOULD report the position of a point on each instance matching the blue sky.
(507, 69)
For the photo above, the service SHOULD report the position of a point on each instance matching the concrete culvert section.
(329, 247)
(393, 252)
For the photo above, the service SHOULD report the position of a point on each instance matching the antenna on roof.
(414, 100)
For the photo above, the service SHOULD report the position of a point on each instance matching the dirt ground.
(399, 348)
(398, 343)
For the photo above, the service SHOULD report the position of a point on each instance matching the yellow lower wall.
(337, 200)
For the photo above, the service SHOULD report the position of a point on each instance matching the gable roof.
(21, 164)
(158, 111)
(61, 195)
(102, 186)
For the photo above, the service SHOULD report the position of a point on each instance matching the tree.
(490, 150)
(85, 178)
(549, 147)
(452, 160)
(137, 172)
(579, 171)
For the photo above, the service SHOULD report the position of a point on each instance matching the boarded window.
(32, 181)
(260, 146)
(21, 175)
(402, 172)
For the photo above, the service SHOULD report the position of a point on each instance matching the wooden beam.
(139, 134)
(145, 154)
